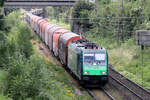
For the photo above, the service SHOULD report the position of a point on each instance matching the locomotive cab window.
(88, 58)
(95, 59)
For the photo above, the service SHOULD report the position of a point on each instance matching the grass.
(3, 81)
(2, 97)
(127, 59)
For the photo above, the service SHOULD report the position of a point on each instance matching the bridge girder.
(37, 3)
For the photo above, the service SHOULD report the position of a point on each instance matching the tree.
(104, 1)
(2, 3)
(80, 16)
(1, 15)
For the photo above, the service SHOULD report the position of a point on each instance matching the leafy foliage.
(2, 3)
(2, 28)
(80, 16)
(26, 78)
(15, 42)
(60, 14)
(21, 38)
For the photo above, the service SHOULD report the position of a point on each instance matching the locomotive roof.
(84, 44)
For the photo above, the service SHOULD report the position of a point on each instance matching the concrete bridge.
(37, 3)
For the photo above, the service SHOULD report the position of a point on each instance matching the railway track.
(100, 94)
(129, 89)
(92, 94)
(108, 94)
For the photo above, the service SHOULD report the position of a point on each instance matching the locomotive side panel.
(74, 62)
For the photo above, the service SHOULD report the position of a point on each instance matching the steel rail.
(92, 94)
(121, 84)
(128, 84)
(108, 94)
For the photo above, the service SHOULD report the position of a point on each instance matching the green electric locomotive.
(88, 62)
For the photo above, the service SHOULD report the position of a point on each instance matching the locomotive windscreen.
(94, 59)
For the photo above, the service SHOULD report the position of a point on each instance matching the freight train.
(87, 61)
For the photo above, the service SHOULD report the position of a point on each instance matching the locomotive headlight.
(94, 63)
(86, 72)
(103, 73)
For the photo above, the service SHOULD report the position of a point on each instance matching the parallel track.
(91, 92)
(129, 89)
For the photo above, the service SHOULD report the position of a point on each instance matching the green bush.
(26, 77)
(14, 42)
(19, 37)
